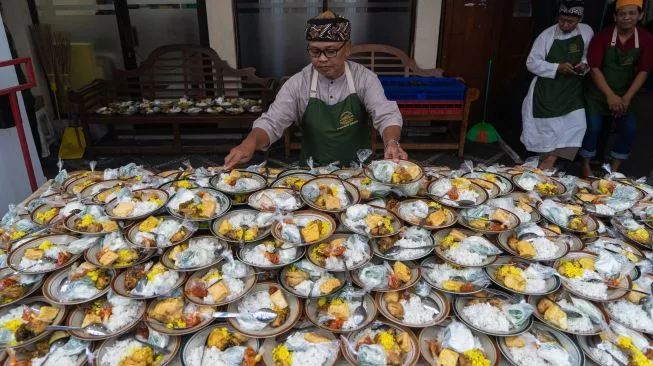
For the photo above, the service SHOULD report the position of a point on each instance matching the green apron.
(619, 69)
(334, 132)
(564, 94)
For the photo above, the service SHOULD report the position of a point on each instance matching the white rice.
(528, 182)
(534, 281)
(124, 311)
(487, 317)
(465, 257)
(256, 255)
(212, 356)
(444, 272)
(415, 312)
(251, 303)
(544, 248)
(527, 356)
(57, 358)
(352, 256)
(407, 253)
(582, 324)
(36, 266)
(631, 315)
(310, 354)
(121, 349)
(602, 209)
(235, 286)
(162, 284)
(589, 289)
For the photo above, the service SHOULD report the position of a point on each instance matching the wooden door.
(469, 31)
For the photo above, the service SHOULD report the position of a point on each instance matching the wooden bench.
(386, 60)
(170, 72)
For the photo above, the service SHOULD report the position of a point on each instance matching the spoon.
(496, 222)
(263, 315)
(460, 203)
(595, 341)
(94, 329)
(53, 347)
(140, 339)
(360, 310)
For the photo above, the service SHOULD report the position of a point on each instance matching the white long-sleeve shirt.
(292, 100)
(536, 61)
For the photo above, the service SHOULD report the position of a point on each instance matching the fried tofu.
(109, 226)
(332, 203)
(329, 285)
(515, 342)
(458, 235)
(108, 258)
(500, 215)
(311, 337)
(586, 263)
(167, 309)
(123, 209)
(311, 232)
(219, 291)
(47, 314)
(209, 205)
(544, 304)
(555, 315)
(278, 299)
(391, 296)
(294, 278)
(340, 311)
(91, 319)
(437, 218)
(515, 282)
(403, 339)
(526, 249)
(448, 357)
(33, 254)
(402, 271)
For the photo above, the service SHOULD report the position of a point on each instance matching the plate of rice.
(304, 227)
(273, 199)
(453, 279)
(175, 315)
(464, 248)
(137, 204)
(633, 311)
(384, 276)
(126, 350)
(526, 204)
(335, 313)
(198, 204)
(493, 312)
(78, 284)
(71, 352)
(330, 254)
(544, 247)
(614, 188)
(580, 277)
(425, 213)
(329, 194)
(310, 347)
(173, 186)
(147, 281)
(617, 246)
(270, 253)
(371, 221)
(115, 252)
(26, 321)
(116, 313)
(504, 184)
(266, 295)
(220, 284)
(238, 182)
(394, 173)
(542, 346)
(17, 286)
(369, 189)
(634, 231)
(457, 192)
(294, 181)
(306, 280)
(415, 243)
(198, 252)
(91, 221)
(567, 216)
(382, 343)
(541, 184)
(568, 313)
(220, 344)
(519, 276)
(628, 347)
(451, 340)
(243, 226)
(411, 310)
(44, 254)
(46, 214)
(160, 232)
(101, 193)
(487, 219)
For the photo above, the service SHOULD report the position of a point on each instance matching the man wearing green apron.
(553, 112)
(620, 58)
(331, 100)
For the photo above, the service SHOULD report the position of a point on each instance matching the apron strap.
(350, 80)
(613, 43)
(313, 90)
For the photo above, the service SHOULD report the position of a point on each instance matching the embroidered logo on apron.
(347, 119)
(573, 48)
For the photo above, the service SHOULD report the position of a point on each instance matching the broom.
(483, 131)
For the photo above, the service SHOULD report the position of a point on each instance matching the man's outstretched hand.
(239, 154)
(395, 152)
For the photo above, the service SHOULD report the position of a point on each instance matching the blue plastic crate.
(422, 88)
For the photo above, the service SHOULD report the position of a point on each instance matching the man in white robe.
(553, 112)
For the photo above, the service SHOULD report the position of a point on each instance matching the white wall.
(427, 32)
(14, 184)
(222, 31)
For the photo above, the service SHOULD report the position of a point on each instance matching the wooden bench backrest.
(386, 60)
(173, 71)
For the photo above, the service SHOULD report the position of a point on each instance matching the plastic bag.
(362, 155)
(80, 245)
(556, 213)
(383, 170)
(373, 276)
(254, 168)
(611, 265)
(519, 313)
(531, 163)
(458, 337)
(480, 245)
(554, 354)
(544, 271)
(371, 355)
(590, 310)
(10, 217)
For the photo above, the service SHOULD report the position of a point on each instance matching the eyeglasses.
(329, 52)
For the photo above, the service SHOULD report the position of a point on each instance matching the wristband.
(385, 145)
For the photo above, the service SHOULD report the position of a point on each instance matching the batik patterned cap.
(573, 8)
(328, 30)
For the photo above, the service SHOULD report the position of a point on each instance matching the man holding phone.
(553, 112)
(620, 57)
